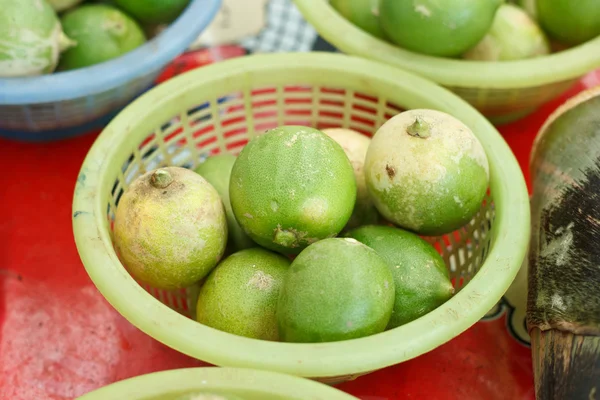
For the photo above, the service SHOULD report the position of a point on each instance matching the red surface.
(59, 338)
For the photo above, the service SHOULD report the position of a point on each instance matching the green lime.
(420, 275)
(31, 38)
(571, 22)
(61, 5)
(426, 172)
(438, 28)
(362, 13)
(336, 289)
(514, 35)
(170, 228)
(217, 171)
(240, 294)
(292, 186)
(355, 146)
(153, 11)
(102, 32)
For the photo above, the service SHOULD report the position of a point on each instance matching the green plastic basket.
(216, 109)
(245, 383)
(502, 91)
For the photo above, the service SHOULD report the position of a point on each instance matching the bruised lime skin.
(429, 185)
(291, 187)
(438, 28)
(440, 213)
(421, 278)
(217, 171)
(513, 36)
(170, 237)
(153, 11)
(102, 32)
(355, 146)
(362, 13)
(240, 295)
(570, 22)
(336, 289)
(31, 38)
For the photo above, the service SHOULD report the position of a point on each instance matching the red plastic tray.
(60, 339)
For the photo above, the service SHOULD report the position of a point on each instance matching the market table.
(59, 338)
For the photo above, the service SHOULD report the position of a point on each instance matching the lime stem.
(419, 128)
(161, 178)
(65, 42)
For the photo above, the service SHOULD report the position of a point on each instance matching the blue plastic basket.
(70, 103)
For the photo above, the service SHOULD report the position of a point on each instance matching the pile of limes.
(309, 235)
(487, 30)
(41, 36)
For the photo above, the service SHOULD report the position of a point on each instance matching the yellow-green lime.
(355, 146)
(336, 289)
(102, 32)
(217, 171)
(568, 21)
(514, 35)
(31, 38)
(153, 11)
(291, 187)
(240, 295)
(362, 13)
(170, 228)
(420, 275)
(440, 28)
(426, 171)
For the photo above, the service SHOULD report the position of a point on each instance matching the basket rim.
(553, 68)
(147, 58)
(507, 251)
(181, 380)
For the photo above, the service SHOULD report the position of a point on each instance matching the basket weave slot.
(234, 101)
(360, 126)
(333, 121)
(217, 123)
(360, 102)
(298, 97)
(171, 129)
(332, 98)
(148, 143)
(391, 111)
(268, 91)
(270, 121)
(233, 130)
(334, 109)
(162, 149)
(297, 108)
(366, 117)
(232, 117)
(200, 116)
(248, 112)
(208, 145)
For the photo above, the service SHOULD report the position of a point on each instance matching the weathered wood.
(564, 257)
(567, 365)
